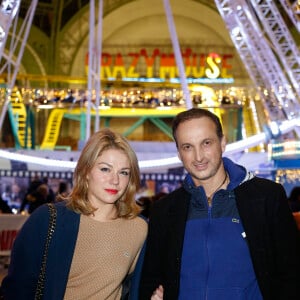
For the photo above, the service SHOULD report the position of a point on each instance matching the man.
(225, 234)
(4, 207)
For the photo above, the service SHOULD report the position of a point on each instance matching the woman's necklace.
(209, 198)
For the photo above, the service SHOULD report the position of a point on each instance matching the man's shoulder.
(260, 188)
(179, 192)
(177, 196)
(260, 182)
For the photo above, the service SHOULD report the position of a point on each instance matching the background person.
(63, 191)
(51, 194)
(226, 234)
(37, 197)
(98, 234)
(4, 207)
(30, 195)
(294, 203)
(294, 199)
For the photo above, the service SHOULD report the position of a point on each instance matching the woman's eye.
(104, 169)
(125, 173)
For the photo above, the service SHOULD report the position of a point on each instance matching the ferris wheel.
(268, 51)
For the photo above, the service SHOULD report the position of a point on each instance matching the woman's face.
(109, 178)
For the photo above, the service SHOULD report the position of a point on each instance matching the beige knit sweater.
(105, 253)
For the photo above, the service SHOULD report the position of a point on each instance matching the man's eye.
(207, 143)
(186, 147)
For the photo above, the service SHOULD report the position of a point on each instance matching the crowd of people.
(223, 234)
(39, 192)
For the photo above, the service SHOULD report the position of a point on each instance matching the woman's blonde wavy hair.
(99, 142)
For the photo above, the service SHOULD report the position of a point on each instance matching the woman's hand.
(158, 294)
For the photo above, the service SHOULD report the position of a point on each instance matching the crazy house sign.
(157, 66)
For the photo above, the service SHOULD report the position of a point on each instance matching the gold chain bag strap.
(51, 228)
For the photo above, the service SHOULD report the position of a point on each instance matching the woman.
(98, 234)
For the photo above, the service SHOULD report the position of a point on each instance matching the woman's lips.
(111, 191)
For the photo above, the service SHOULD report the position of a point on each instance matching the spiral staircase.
(14, 38)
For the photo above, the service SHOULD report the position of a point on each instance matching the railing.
(10, 225)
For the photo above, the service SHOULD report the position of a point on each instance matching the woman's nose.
(115, 178)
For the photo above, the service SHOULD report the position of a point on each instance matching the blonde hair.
(99, 142)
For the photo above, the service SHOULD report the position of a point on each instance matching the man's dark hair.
(196, 113)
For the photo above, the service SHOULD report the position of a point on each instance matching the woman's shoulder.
(63, 208)
(140, 221)
(138, 226)
(138, 229)
(63, 214)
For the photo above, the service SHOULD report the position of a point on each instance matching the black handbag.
(51, 228)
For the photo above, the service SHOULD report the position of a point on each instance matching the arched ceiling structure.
(126, 23)
(51, 14)
(142, 23)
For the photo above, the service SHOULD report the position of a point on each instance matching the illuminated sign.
(159, 67)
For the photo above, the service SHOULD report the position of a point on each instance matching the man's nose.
(198, 153)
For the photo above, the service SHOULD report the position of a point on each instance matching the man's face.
(200, 149)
